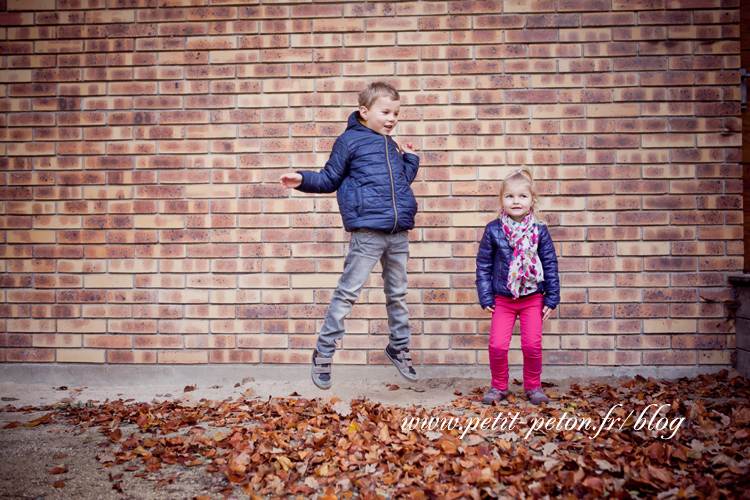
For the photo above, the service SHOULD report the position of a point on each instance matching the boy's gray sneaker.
(321, 370)
(537, 396)
(494, 395)
(402, 361)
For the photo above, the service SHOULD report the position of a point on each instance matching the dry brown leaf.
(276, 447)
(342, 408)
(473, 440)
(165, 482)
(115, 436)
(285, 462)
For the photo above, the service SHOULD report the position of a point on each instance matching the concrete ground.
(38, 385)
(30, 455)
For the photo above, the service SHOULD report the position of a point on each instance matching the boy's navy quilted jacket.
(493, 261)
(372, 178)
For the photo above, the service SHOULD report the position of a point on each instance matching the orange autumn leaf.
(276, 447)
(115, 435)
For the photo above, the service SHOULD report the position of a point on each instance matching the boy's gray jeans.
(366, 248)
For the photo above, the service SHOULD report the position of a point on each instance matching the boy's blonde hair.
(521, 175)
(375, 90)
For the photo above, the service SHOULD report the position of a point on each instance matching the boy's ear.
(363, 112)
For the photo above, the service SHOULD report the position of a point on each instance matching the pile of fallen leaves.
(294, 447)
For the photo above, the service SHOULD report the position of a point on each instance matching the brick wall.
(142, 141)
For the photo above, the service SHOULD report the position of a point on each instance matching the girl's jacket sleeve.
(484, 270)
(548, 258)
(330, 178)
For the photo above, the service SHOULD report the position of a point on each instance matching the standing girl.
(517, 277)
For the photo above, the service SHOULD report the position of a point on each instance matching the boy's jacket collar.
(356, 121)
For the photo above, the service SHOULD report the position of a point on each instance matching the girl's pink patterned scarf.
(525, 272)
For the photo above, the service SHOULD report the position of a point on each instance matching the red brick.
(583, 99)
(669, 358)
(608, 19)
(681, 264)
(697, 310)
(669, 295)
(30, 355)
(643, 342)
(640, 311)
(699, 342)
(585, 311)
(672, 233)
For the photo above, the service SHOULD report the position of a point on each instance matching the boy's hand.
(545, 313)
(290, 181)
(408, 148)
(490, 309)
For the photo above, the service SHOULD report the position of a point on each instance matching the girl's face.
(517, 200)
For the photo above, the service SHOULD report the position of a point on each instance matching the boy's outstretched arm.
(411, 162)
(327, 180)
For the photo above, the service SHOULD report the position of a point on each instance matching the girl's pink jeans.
(529, 309)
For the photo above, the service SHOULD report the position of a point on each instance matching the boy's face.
(382, 116)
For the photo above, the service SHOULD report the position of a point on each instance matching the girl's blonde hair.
(521, 175)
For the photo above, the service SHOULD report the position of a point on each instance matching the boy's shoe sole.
(408, 376)
(321, 384)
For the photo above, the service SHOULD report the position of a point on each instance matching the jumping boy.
(372, 178)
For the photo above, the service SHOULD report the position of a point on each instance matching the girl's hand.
(408, 148)
(545, 313)
(490, 309)
(290, 181)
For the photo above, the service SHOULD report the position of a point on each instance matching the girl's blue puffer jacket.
(372, 179)
(493, 261)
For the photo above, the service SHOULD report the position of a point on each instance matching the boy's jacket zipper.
(393, 189)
